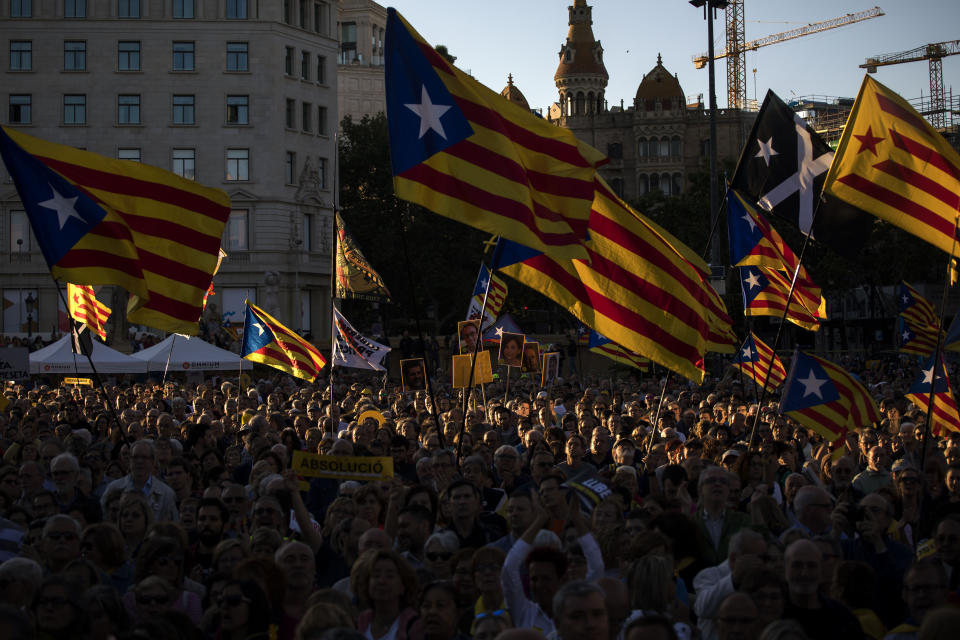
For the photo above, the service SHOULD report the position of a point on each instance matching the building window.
(183, 56)
(665, 184)
(291, 114)
(128, 109)
(675, 147)
(677, 184)
(184, 163)
(322, 69)
(322, 172)
(75, 55)
(643, 149)
(183, 9)
(348, 42)
(307, 233)
(320, 17)
(654, 183)
(21, 55)
(615, 150)
(288, 61)
(74, 8)
(128, 8)
(237, 9)
(304, 65)
(128, 56)
(129, 153)
(20, 108)
(238, 109)
(19, 231)
(306, 113)
(304, 7)
(322, 121)
(184, 110)
(238, 164)
(664, 147)
(236, 239)
(287, 11)
(643, 185)
(237, 56)
(290, 167)
(21, 9)
(304, 312)
(75, 109)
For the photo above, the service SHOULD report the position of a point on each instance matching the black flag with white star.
(783, 167)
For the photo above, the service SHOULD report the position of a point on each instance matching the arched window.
(589, 103)
(654, 183)
(677, 184)
(664, 147)
(643, 185)
(579, 108)
(675, 147)
(643, 149)
(665, 184)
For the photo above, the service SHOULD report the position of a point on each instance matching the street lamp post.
(20, 288)
(30, 301)
(709, 13)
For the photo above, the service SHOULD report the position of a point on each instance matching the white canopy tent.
(189, 354)
(58, 358)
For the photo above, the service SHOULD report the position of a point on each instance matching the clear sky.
(492, 38)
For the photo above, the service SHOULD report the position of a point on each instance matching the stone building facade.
(361, 26)
(236, 94)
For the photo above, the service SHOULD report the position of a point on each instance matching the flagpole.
(716, 219)
(163, 380)
(783, 320)
(423, 343)
(334, 250)
(93, 368)
(656, 417)
(936, 353)
(506, 392)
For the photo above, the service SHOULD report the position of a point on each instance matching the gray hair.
(574, 589)
(69, 457)
(806, 496)
(293, 544)
(446, 539)
(22, 570)
(505, 448)
(60, 517)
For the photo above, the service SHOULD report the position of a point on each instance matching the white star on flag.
(928, 375)
(811, 385)
(906, 335)
(483, 284)
(748, 353)
(753, 280)
(429, 113)
(499, 332)
(65, 207)
(906, 299)
(259, 327)
(749, 219)
(766, 150)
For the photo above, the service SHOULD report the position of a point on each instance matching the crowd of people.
(597, 509)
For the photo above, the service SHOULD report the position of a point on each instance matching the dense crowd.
(597, 509)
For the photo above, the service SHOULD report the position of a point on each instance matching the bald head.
(374, 538)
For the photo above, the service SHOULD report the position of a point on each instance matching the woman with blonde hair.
(386, 585)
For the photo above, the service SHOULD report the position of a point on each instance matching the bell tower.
(581, 77)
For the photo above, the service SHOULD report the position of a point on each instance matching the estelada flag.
(462, 151)
(758, 362)
(892, 164)
(916, 341)
(945, 416)
(103, 221)
(267, 341)
(765, 293)
(604, 346)
(84, 307)
(355, 277)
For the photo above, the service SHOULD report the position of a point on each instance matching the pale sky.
(492, 38)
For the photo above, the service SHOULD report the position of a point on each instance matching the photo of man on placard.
(531, 357)
(413, 374)
(551, 365)
(511, 349)
(469, 332)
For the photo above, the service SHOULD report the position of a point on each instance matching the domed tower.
(659, 91)
(581, 77)
(514, 95)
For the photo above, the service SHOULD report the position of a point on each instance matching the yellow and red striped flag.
(916, 341)
(755, 359)
(915, 309)
(945, 417)
(602, 345)
(103, 221)
(642, 288)
(892, 164)
(267, 341)
(765, 293)
(84, 307)
(462, 151)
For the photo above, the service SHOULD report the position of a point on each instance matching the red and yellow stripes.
(160, 239)
(517, 175)
(805, 310)
(763, 360)
(891, 163)
(618, 354)
(85, 308)
(288, 351)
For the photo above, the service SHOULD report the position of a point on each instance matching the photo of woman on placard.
(531, 357)
(511, 349)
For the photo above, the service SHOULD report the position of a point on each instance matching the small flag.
(782, 168)
(892, 164)
(920, 342)
(945, 416)
(351, 349)
(915, 309)
(498, 294)
(86, 309)
(505, 323)
(356, 279)
(462, 151)
(753, 242)
(765, 293)
(604, 346)
(755, 359)
(267, 341)
(103, 221)
(822, 396)
(583, 335)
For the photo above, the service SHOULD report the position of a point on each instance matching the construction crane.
(934, 53)
(736, 49)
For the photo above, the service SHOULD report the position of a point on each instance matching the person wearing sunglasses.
(245, 612)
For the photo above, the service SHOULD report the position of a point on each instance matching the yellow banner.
(84, 382)
(313, 465)
(482, 371)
